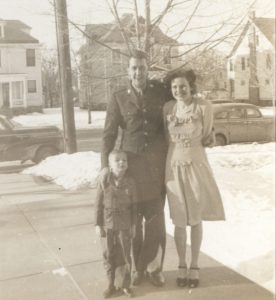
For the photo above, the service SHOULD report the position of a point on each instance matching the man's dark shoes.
(137, 278)
(109, 292)
(156, 279)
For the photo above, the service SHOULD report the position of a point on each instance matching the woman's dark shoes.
(181, 282)
(193, 280)
(109, 292)
(137, 278)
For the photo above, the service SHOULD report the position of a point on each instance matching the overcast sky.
(39, 15)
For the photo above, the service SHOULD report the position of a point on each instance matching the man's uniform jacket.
(142, 136)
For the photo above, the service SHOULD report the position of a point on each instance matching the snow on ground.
(245, 174)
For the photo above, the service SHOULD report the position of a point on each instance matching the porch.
(13, 93)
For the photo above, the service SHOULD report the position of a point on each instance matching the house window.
(267, 81)
(31, 86)
(30, 57)
(268, 61)
(242, 82)
(243, 63)
(116, 56)
(1, 31)
(17, 90)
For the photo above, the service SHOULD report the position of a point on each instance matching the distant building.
(251, 63)
(20, 69)
(104, 70)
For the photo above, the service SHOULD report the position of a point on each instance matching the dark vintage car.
(28, 143)
(242, 123)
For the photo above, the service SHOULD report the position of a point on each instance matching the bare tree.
(50, 78)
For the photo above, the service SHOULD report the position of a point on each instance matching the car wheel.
(44, 152)
(220, 140)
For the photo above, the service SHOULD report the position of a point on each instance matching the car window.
(236, 113)
(252, 113)
(2, 128)
(221, 115)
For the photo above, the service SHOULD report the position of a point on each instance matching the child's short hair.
(116, 152)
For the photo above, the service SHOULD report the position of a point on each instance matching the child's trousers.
(117, 259)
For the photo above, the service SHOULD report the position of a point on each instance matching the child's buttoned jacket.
(116, 204)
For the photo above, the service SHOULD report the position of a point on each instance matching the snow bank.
(72, 171)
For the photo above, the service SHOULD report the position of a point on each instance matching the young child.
(115, 219)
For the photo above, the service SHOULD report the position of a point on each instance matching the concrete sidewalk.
(49, 251)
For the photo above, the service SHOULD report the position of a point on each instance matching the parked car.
(215, 101)
(28, 143)
(242, 123)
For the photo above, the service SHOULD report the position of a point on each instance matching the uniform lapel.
(133, 97)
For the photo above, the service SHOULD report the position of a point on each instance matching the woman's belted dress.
(192, 192)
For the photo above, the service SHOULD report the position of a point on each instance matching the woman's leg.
(196, 239)
(180, 238)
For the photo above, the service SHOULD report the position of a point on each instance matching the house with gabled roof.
(251, 63)
(20, 69)
(104, 69)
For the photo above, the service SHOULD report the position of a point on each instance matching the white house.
(20, 69)
(251, 63)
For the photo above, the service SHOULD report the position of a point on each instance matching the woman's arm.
(165, 123)
(208, 138)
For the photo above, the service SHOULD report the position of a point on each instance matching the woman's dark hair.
(189, 75)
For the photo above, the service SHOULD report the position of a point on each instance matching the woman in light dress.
(192, 192)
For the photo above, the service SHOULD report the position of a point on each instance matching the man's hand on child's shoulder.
(102, 176)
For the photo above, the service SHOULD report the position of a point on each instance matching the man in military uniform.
(137, 110)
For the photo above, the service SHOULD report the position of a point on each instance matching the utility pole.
(254, 93)
(65, 76)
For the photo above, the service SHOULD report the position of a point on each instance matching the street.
(89, 139)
